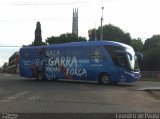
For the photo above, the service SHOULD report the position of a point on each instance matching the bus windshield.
(123, 57)
(132, 59)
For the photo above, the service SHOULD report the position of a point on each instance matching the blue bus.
(102, 61)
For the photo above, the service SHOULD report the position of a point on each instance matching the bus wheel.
(104, 78)
(40, 76)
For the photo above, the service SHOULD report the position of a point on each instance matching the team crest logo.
(97, 56)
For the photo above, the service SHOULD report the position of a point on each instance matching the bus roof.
(87, 43)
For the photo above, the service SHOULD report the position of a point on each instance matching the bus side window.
(121, 61)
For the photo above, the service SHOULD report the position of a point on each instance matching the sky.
(18, 18)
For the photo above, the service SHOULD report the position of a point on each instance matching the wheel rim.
(105, 79)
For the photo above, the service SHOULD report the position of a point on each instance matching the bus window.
(120, 59)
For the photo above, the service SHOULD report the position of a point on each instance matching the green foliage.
(137, 44)
(64, 38)
(111, 32)
(93, 34)
(38, 44)
(151, 53)
(152, 42)
(151, 59)
(38, 37)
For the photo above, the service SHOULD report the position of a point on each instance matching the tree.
(64, 38)
(151, 59)
(110, 32)
(152, 42)
(92, 34)
(137, 44)
(151, 53)
(38, 36)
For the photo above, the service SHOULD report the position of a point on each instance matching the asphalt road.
(24, 95)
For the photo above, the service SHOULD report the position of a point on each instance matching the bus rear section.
(26, 63)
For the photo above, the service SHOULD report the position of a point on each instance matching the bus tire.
(104, 78)
(40, 76)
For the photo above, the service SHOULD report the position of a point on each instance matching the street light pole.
(95, 37)
(101, 33)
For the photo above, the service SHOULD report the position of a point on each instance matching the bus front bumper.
(129, 77)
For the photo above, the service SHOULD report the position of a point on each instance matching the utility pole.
(95, 37)
(101, 33)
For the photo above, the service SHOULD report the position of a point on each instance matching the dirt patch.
(154, 94)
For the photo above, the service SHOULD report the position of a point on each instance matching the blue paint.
(80, 61)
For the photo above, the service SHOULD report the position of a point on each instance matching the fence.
(150, 75)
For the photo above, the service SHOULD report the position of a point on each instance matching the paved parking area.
(23, 95)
